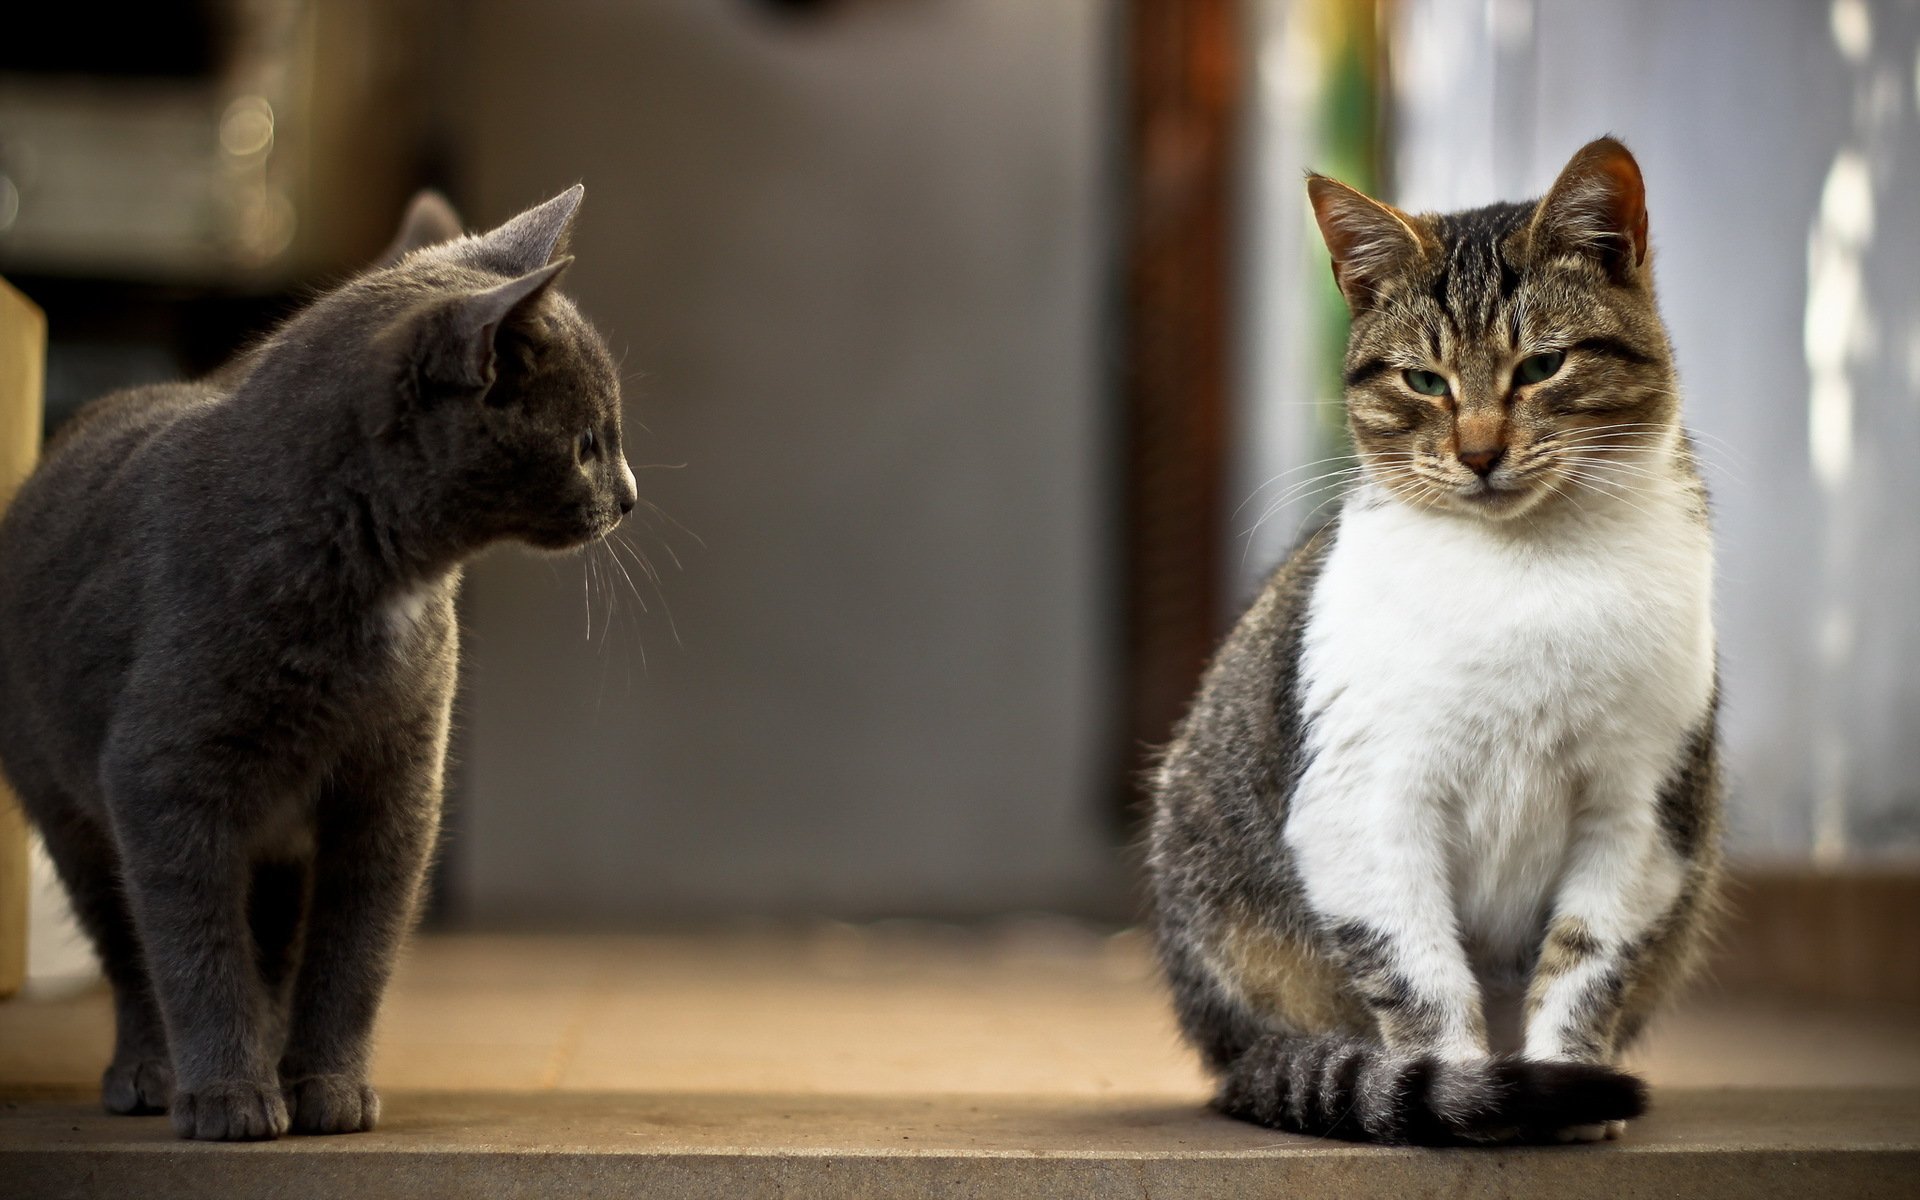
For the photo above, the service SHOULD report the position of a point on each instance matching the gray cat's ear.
(456, 348)
(1370, 241)
(1598, 208)
(430, 220)
(530, 240)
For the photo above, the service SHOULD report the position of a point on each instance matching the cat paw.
(135, 1087)
(1596, 1132)
(1600, 1131)
(236, 1111)
(331, 1104)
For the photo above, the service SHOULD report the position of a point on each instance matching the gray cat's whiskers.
(596, 550)
(652, 575)
(604, 585)
(664, 545)
(586, 603)
(663, 515)
(613, 553)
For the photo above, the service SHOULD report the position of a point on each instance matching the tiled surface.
(1035, 1008)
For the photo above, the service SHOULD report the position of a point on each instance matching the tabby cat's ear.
(455, 340)
(430, 220)
(1598, 207)
(531, 240)
(1369, 241)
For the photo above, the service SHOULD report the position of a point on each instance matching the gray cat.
(227, 652)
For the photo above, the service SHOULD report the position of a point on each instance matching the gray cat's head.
(480, 384)
(1501, 356)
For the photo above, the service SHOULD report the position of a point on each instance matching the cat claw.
(331, 1104)
(239, 1111)
(137, 1086)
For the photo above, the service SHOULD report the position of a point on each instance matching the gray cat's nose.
(629, 487)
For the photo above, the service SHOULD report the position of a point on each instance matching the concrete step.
(1030, 1058)
(55, 1143)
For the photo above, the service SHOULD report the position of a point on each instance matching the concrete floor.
(1031, 1057)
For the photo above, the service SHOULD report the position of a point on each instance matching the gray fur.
(228, 649)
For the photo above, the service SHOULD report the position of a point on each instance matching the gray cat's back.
(89, 475)
(70, 599)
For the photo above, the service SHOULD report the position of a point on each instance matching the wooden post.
(23, 350)
(1183, 65)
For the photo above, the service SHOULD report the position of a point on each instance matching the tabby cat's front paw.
(233, 1111)
(332, 1104)
(1604, 1131)
(1582, 1133)
(137, 1086)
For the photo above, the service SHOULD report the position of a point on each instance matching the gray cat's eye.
(1538, 367)
(1427, 383)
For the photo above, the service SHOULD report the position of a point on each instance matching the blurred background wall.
(857, 258)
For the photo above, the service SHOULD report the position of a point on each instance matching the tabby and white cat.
(1441, 828)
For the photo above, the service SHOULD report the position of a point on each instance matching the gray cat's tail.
(1348, 1088)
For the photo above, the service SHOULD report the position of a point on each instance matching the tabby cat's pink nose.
(1483, 461)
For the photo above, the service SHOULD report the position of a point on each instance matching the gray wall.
(857, 269)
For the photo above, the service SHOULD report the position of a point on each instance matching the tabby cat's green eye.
(1427, 383)
(1536, 367)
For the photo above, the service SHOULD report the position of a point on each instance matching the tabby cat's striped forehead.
(1478, 265)
(1488, 282)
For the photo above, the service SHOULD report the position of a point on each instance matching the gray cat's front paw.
(235, 1111)
(137, 1086)
(332, 1104)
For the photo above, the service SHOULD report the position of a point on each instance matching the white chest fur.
(406, 610)
(1471, 685)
